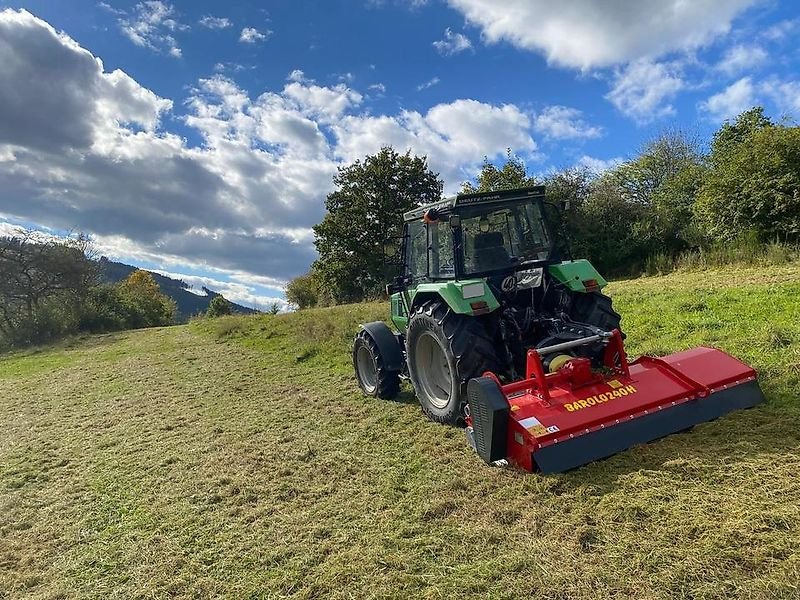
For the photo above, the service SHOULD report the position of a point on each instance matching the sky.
(200, 138)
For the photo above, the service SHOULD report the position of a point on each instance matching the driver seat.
(490, 251)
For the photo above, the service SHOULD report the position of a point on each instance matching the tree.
(610, 232)
(44, 283)
(663, 180)
(218, 307)
(753, 184)
(566, 192)
(147, 306)
(730, 135)
(512, 174)
(274, 308)
(364, 212)
(302, 291)
(661, 159)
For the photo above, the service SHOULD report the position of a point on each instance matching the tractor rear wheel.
(595, 309)
(373, 378)
(445, 350)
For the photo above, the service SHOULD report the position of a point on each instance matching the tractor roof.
(447, 204)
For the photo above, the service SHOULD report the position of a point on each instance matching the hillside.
(236, 457)
(189, 303)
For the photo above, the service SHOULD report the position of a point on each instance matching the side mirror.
(455, 221)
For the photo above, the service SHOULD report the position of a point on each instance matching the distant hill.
(188, 303)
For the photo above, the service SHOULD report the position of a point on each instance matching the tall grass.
(746, 251)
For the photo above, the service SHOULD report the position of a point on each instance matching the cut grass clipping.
(235, 457)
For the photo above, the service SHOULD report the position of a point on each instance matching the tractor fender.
(387, 344)
(452, 294)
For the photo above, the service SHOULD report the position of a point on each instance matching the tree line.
(50, 288)
(676, 196)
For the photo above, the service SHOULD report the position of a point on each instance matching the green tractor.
(483, 282)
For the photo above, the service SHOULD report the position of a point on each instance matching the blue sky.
(200, 138)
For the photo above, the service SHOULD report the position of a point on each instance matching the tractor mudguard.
(464, 297)
(387, 344)
(578, 275)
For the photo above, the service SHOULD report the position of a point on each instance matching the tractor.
(500, 331)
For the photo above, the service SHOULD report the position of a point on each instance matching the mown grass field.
(236, 458)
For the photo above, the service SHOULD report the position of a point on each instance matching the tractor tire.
(445, 350)
(373, 378)
(595, 309)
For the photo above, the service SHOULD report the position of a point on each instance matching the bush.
(303, 291)
(609, 230)
(754, 184)
(145, 305)
(105, 310)
(218, 307)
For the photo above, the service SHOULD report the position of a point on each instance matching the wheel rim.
(433, 370)
(366, 369)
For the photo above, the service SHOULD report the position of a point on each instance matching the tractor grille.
(489, 410)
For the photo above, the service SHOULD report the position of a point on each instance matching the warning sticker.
(535, 426)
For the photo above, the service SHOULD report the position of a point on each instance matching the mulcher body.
(498, 332)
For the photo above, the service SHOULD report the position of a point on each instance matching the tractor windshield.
(503, 235)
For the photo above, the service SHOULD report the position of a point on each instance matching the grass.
(747, 250)
(235, 457)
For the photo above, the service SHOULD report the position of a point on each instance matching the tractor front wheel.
(373, 378)
(445, 350)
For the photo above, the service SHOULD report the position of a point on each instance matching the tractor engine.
(536, 312)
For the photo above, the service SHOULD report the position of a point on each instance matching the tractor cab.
(476, 235)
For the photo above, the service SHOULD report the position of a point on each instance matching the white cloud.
(599, 165)
(298, 76)
(562, 122)
(250, 35)
(126, 102)
(215, 22)
(586, 33)
(231, 67)
(454, 136)
(325, 103)
(377, 87)
(85, 149)
(741, 58)
(151, 26)
(780, 30)
(428, 84)
(111, 9)
(411, 4)
(452, 43)
(643, 89)
(785, 94)
(731, 101)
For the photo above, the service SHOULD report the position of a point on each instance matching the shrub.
(754, 185)
(303, 291)
(105, 310)
(218, 307)
(146, 305)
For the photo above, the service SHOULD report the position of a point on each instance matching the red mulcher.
(558, 421)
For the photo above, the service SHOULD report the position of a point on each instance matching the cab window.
(416, 256)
